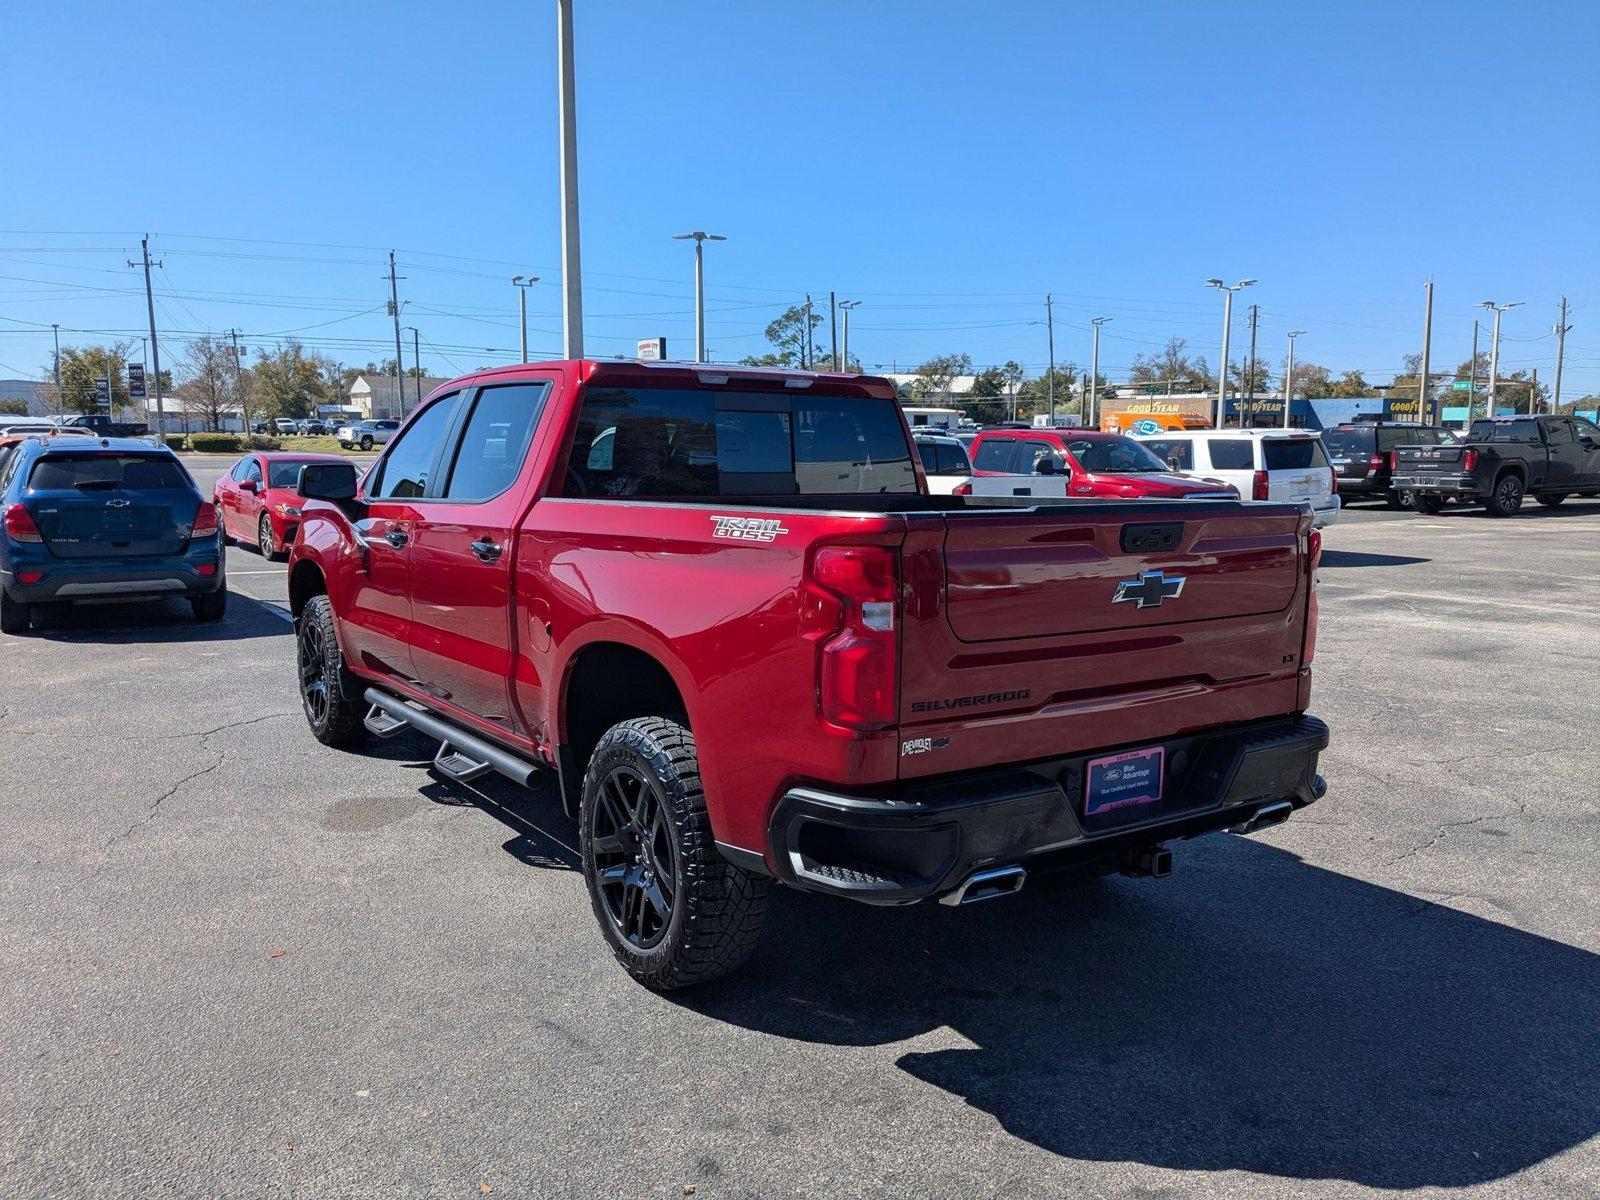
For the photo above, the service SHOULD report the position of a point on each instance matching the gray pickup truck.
(1501, 461)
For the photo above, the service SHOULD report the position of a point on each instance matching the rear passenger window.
(1292, 454)
(1559, 433)
(495, 441)
(407, 470)
(994, 454)
(953, 461)
(1233, 454)
(1178, 450)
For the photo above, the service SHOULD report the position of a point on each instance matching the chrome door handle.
(486, 550)
(397, 538)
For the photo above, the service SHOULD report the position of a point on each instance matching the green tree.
(993, 389)
(1034, 394)
(1351, 385)
(80, 367)
(287, 382)
(1173, 365)
(16, 408)
(787, 333)
(934, 377)
(1311, 381)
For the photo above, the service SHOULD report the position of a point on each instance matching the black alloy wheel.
(635, 858)
(313, 673)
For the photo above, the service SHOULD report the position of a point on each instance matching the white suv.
(1264, 464)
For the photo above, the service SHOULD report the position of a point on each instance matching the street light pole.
(522, 283)
(847, 306)
(1227, 330)
(416, 362)
(56, 329)
(1288, 377)
(1494, 354)
(700, 237)
(1094, 371)
(571, 258)
(1427, 350)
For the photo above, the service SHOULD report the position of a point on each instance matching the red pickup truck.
(721, 605)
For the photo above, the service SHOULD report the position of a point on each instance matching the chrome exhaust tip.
(1265, 818)
(1152, 862)
(986, 885)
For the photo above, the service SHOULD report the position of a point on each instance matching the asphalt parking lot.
(235, 963)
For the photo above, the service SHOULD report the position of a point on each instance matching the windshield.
(285, 473)
(1348, 443)
(1118, 455)
(56, 472)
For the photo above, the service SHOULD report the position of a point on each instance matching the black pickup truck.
(104, 426)
(1502, 460)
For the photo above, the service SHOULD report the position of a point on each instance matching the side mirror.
(1175, 463)
(1050, 464)
(328, 481)
(1589, 441)
(248, 485)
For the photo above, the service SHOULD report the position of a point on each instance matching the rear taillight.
(1375, 462)
(857, 671)
(1314, 552)
(1258, 486)
(20, 526)
(1469, 460)
(1394, 458)
(205, 520)
(962, 489)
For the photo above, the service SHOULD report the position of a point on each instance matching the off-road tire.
(1506, 496)
(334, 711)
(266, 543)
(716, 909)
(15, 615)
(366, 442)
(1426, 504)
(212, 606)
(1550, 500)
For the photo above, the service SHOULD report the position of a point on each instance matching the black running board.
(462, 756)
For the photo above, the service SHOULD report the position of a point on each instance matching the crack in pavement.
(155, 737)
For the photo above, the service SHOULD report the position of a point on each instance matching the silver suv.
(367, 434)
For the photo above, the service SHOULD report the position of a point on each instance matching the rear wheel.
(15, 616)
(673, 910)
(1551, 501)
(366, 442)
(1397, 499)
(329, 693)
(210, 607)
(1506, 498)
(1424, 503)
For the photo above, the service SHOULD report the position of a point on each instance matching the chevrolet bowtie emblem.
(1149, 590)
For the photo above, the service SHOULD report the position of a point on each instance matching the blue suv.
(112, 519)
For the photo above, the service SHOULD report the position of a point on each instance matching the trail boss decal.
(927, 706)
(747, 529)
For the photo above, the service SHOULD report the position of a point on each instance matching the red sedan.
(258, 500)
(1088, 462)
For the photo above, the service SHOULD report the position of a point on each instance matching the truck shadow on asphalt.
(1360, 558)
(1252, 1013)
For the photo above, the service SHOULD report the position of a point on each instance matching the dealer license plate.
(1123, 780)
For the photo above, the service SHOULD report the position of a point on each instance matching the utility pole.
(1288, 377)
(522, 283)
(1050, 341)
(1494, 352)
(155, 347)
(416, 361)
(56, 329)
(1472, 375)
(1427, 351)
(1094, 371)
(394, 310)
(238, 389)
(1250, 376)
(805, 346)
(847, 305)
(833, 326)
(1561, 331)
(571, 258)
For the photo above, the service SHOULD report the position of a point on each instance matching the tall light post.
(571, 256)
(1227, 291)
(522, 283)
(699, 237)
(847, 306)
(56, 329)
(1288, 377)
(1094, 372)
(416, 362)
(1494, 353)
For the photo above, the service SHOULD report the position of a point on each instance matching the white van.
(937, 420)
(1264, 464)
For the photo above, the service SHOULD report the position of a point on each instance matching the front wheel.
(15, 615)
(1506, 498)
(266, 540)
(329, 693)
(673, 910)
(366, 443)
(1551, 501)
(1424, 503)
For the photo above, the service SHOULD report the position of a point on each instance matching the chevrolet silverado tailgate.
(1037, 632)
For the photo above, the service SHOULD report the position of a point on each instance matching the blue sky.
(946, 163)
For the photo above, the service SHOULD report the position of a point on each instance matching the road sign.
(653, 348)
(136, 380)
(102, 392)
(1461, 385)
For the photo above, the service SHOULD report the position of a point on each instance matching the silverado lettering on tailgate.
(923, 706)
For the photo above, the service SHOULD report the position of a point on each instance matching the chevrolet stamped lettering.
(922, 706)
